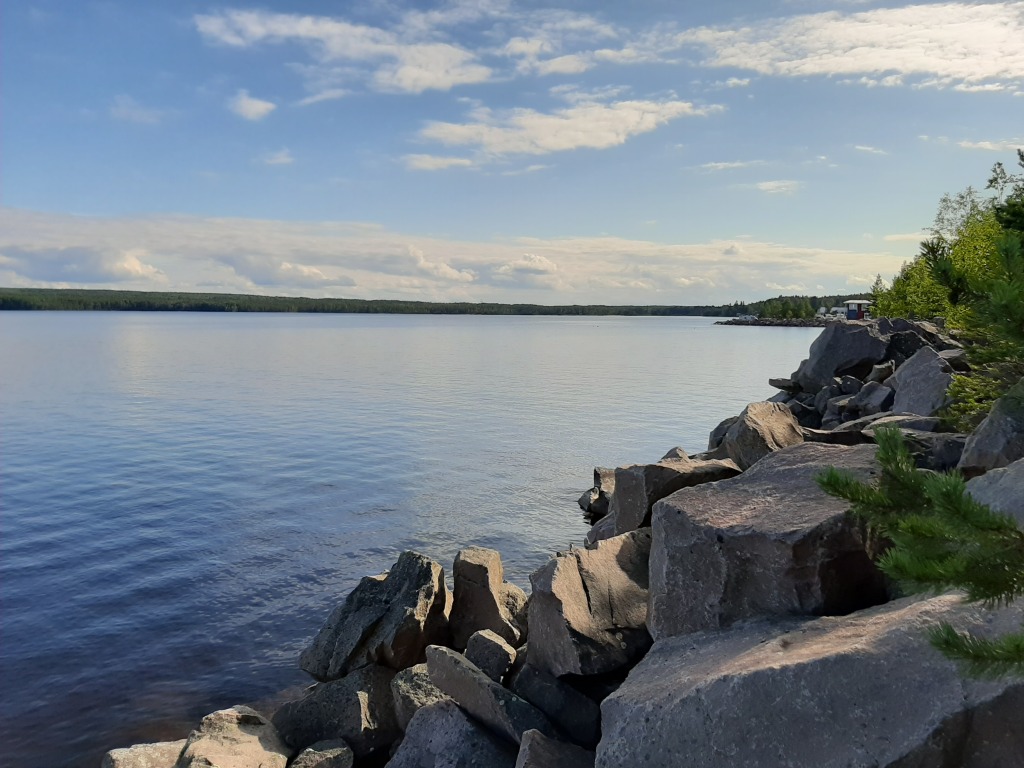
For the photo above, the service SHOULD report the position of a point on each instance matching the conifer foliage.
(941, 539)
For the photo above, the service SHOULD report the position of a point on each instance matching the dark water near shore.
(183, 497)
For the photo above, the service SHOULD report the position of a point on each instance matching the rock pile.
(723, 612)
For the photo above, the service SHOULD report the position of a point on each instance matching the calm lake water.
(185, 497)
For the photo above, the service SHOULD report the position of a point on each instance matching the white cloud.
(730, 165)
(439, 269)
(906, 237)
(779, 186)
(1009, 145)
(586, 125)
(130, 111)
(78, 265)
(249, 107)
(528, 169)
(435, 162)
(870, 150)
(941, 44)
(281, 157)
(328, 94)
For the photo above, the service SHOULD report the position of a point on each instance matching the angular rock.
(638, 486)
(881, 372)
(937, 451)
(588, 607)
(594, 502)
(538, 751)
(957, 359)
(357, 708)
(575, 714)
(850, 385)
(492, 655)
(388, 619)
(325, 754)
(1002, 490)
(999, 439)
(921, 383)
(484, 600)
(902, 420)
(411, 690)
(903, 345)
(930, 332)
(599, 531)
(841, 348)
(873, 398)
(442, 736)
(162, 754)
(718, 433)
(837, 436)
(767, 542)
(826, 394)
(483, 699)
(835, 412)
(806, 415)
(786, 385)
(859, 691)
(238, 737)
(762, 428)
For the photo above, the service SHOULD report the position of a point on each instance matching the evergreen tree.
(941, 539)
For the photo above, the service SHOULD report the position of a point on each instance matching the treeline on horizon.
(76, 299)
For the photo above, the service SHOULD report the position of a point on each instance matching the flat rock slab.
(765, 543)
(238, 737)
(357, 708)
(1002, 490)
(538, 751)
(488, 702)
(388, 619)
(859, 691)
(589, 607)
(484, 600)
(161, 754)
(761, 428)
(442, 736)
(638, 486)
(412, 690)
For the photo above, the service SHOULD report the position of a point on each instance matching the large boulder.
(492, 655)
(442, 736)
(357, 708)
(638, 486)
(871, 399)
(488, 702)
(388, 619)
(841, 348)
(575, 714)
(859, 691)
(238, 737)
(411, 690)
(921, 383)
(325, 754)
(930, 332)
(538, 751)
(761, 428)
(484, 600)
(162, 754)
(767, 542)
(999, 439)
(1001, 490)
(588, 607)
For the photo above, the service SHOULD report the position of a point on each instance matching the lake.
(185, 497)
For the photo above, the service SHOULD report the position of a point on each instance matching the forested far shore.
(75, 299)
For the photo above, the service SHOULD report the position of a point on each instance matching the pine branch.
(981, 657)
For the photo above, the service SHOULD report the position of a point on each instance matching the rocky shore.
(780, 322)
(722, 611)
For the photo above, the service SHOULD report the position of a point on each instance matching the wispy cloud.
(249, 107)
(1007, 145)
(281, 157)
(870, 150)
(125, 108)
(328, 94)
(730, 165)
(435, 162)
(779, 186)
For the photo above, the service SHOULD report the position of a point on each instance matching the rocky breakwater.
(723, 612)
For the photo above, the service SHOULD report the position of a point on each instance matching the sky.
(560, 152)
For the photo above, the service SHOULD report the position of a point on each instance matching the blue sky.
(550, 152)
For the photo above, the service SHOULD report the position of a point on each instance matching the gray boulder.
(921, 383)
(835, 412)
(238, 737)
(588, 607)
(762, 428)
(484, 600)
(325, 754)
(162, 754)
(881, 372)
(903, 345)
(826, 394)
(599, 531)
(767, 542)
(999, 439)
(806, 415)
(411, 690)
(594, 502)
(538, 751)
(837, 437)
(957, 359)
(575, 714)
(483, 699)
(1002, 490)
(388, 619)
(492, 655)
(937, 451)
(638, 486)
(859, 691)
(873, 398)
(718, 433)
(442, 736)
(357, 708)
(930, 332)
(841, 348)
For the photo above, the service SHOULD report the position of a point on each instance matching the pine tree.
(941, 538)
